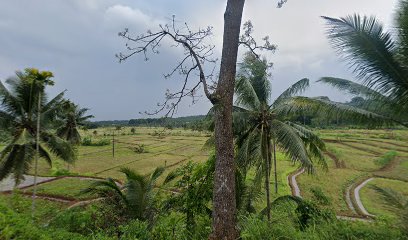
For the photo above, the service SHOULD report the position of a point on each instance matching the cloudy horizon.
(77, 40)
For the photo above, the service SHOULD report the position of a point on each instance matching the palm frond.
(314, 144)
(246, 95)
(295, 89)
(255, 70)
(210, 143)
(156, 174)
(6, 119)
(7, 161)
(288, 139)
(316, 106)
(249, 149)
(396, 200)
(10, 103)
(104, 188)
(44, 154)
(59, 147)
(283, 199)
(172, 175)
(371, 53)
(353, 88)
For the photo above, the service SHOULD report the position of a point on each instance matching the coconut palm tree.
(378, 58)
(71, 118)
(136, 198)
(22, 106)
(259, 127)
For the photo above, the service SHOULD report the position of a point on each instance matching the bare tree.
(199, 56)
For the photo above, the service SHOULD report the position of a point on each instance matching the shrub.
(77, 220)
(386, 158)
(18, 226)
(139, 148)
(136, 229)
(60, 172)
(87, 141)
(319, 197)
(170, 226)
(257, 228)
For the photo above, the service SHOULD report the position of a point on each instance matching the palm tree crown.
(137, 197)
(71, 118)
(19, 113)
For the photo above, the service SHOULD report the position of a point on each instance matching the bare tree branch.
(249, 42)
(281, 2)
(197, 53)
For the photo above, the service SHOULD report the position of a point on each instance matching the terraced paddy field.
(356, 155)
(374, 201)
(352, 157)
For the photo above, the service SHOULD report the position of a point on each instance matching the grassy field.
(352, 155)
(360, 152)
(373, 201)
(69, 188)
(169, 149)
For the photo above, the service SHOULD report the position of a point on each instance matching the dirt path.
(358, 199)
(296, 192)
(8, 183)
(293, 183)
(348, 199)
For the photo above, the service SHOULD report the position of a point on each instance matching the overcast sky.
(77, 40)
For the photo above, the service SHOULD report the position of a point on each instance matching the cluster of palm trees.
(378, 60)
(29, 116)
(261, 126)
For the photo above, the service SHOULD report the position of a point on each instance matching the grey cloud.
(77, 40)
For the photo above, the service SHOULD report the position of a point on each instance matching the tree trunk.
(267, 180)
(224, 202)
(275, 168)
(37, 154)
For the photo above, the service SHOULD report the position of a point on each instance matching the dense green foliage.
(260, 128)
(88, 141)
(21, 106)
(379, 59)
(92, 223)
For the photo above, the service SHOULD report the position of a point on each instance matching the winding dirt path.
(358, 199)
(8, 183)
(9, 186)
(293, 183)
(296, 192)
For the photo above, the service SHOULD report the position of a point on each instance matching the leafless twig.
(197, 54)
(249, 42)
